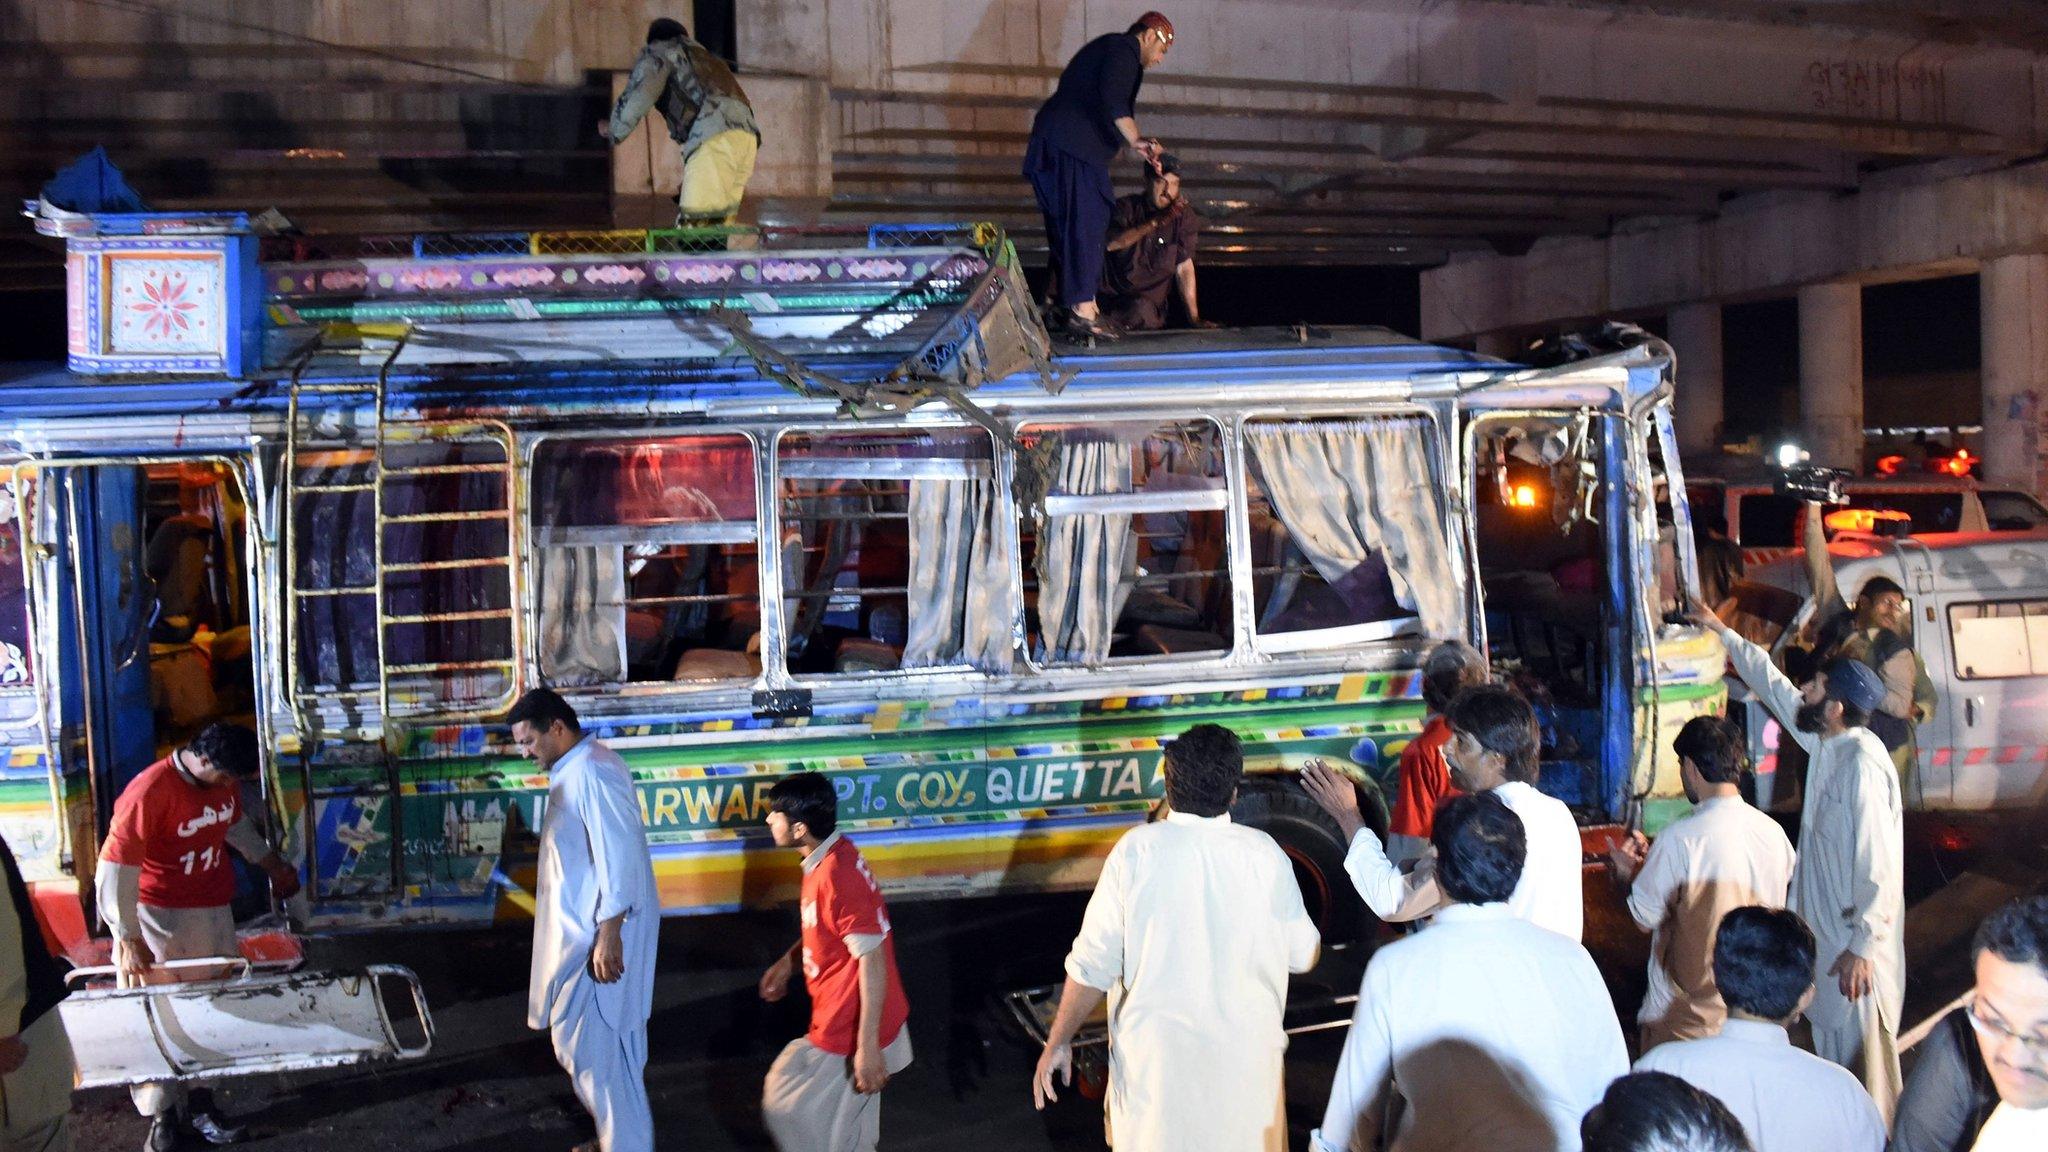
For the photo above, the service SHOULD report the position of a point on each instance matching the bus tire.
(1278, 807)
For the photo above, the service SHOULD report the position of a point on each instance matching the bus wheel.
(1278, 807)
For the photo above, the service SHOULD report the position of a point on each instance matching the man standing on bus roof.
(164, 888)
(708, 117)
(36, 1066)
(824, 1090)
(1192, 930)
(597, 922)
(1850, 882)
(1089, 118)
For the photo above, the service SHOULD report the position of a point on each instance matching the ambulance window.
(2013, 512)
(1997, 641)
(646, 567)
(1348, 535)
(894, 554)
(1125, 542)
(17, 670)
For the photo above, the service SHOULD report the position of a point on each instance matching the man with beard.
(1849, 885)
(1151, 252)
(1722, 855)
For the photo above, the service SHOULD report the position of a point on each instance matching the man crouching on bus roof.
(164, 887)
(1850, 882)
(823, 1090)
(596, 923)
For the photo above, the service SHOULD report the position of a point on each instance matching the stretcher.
(254, 1020)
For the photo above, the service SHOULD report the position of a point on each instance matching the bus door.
(141, 612)
(1547, 530)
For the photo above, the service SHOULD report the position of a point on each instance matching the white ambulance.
(1979, 603)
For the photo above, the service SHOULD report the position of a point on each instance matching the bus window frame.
(1002, 470)
(529, 557)
(1234, 537)
(1347, 640)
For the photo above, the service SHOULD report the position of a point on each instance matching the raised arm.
(1753, 666)
(1820, 567)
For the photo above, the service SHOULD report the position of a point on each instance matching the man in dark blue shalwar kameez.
(1090, 118)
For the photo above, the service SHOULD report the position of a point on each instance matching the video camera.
(1801, 480)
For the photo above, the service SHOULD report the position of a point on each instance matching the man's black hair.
(665, 29)
(1879, 586)
(541, 708)
(1450, 668)
(1480, 848)
(808, 799)
(1716, 747)
(1658, 1112)
(1763, 961)
(2016, 933)
(1501, 721)
(232, 748)
(1203, 766)
(1854, 717)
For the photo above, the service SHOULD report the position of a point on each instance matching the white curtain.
(579, 592)
(1349, 489)
(1085, 562)
(960, 603)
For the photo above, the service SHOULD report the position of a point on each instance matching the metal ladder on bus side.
(309, 708)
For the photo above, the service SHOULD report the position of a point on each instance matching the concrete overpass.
(1547, 160)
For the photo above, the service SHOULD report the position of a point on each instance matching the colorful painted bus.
(777, 508)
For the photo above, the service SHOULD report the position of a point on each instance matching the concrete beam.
(1904, 225)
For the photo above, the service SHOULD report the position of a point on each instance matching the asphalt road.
(493, 1086)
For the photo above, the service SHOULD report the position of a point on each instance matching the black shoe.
(1080, 328)
(163, 1133)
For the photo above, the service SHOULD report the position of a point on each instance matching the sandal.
(1077, 327)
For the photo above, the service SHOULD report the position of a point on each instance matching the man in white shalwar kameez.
(1849, 885)
(597, 922)
(1484, 1032)
(1192, 930)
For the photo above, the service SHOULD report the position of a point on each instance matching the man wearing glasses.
(1981, 1083)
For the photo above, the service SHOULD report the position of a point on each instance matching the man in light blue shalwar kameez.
(597, 923)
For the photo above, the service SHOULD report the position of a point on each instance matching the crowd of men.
(1488, 1027)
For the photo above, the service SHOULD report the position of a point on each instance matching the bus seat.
(859, 654)
(716, 664)
(1156, 640)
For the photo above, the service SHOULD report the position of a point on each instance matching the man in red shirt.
(824, 1090)
(1424, 779)
(164, 886)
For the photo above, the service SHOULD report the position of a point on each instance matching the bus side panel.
(947, 797)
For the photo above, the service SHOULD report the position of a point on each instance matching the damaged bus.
(788, 507)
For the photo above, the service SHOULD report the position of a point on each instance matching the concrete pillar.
(1503, 345)
(1695, 331)
(1831, 373)
(2014, 294)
